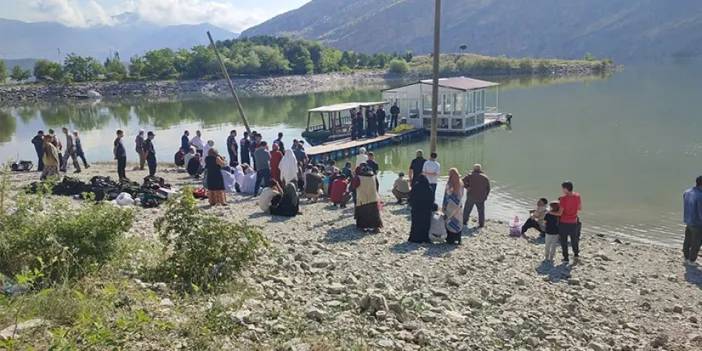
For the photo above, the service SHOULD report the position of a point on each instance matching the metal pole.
(229, 82)
(435, 83)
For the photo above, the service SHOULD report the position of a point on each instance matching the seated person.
(401, 188)
(313, 185)
(245, 179)
(339, 191)
(266, 198)
(286, 204)
(536, 219)
(194, 164)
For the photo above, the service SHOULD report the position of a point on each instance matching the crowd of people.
(281, 176)
(372, 121)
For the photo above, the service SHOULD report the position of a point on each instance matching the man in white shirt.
(197, 142)
(432, 170)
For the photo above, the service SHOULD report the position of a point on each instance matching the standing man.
(372, 164)
(38, 142)
(477, 187)
(394, 113)
(354, 124)
(569, 223)
(432, 170)
(279, 142)
(70, 153)
(120, 155)
(197, 142)
(139, 142)
(184, 142)
(416, 167)
(244, 147)
(79, 149)
(370, 123)
(233, 148)
(692, 203)
(380, 118)
(150, 153)
(262, 158)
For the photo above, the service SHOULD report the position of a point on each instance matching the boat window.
(456, 123)
(443, 123)
(459, 103)
(426, 104)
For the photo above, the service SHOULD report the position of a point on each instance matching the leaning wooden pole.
(229, 82)
(435, 82)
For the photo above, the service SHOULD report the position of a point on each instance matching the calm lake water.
(631, 142)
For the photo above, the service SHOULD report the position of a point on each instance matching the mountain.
(129, 36)
(626, 30)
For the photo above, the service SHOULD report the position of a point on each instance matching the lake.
(631, 142)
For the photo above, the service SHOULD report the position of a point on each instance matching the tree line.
(256, 56)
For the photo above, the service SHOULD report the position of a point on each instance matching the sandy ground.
(492, 292)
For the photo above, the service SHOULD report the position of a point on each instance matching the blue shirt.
(692, 200)
(184, 143)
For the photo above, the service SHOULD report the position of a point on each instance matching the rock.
(225, 300)
(386, 343)
(451, 281)
(240, 316)
(322, 263)
(692, 319)
(677, 309)
(474, 302)
(440, 293)
(659, 341)
(336, 288)
(601, 255)
(17, 329)
(420, 338)
(597, 346)
(455, 317)
(315, 314)
(643, 292)
(372, 303)
(166, 303)
(411, 326)
(532, 341)
(405, 336)
(573, 281)
(590, 285)
(381, 315)
(428, 317)
(500, 258)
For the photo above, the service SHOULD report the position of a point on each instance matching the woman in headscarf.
(288, 167)
(422, 200)
(215, 181)
(276, 157)
(287, 204)
(50, 159)
(452, 207)
(362, 157)
(366, 212)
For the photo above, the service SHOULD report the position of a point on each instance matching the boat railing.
(316, 128)
(490, 109)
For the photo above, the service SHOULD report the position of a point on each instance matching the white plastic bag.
(437, 230)
(124, 199)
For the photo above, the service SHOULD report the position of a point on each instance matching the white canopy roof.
(346, 106)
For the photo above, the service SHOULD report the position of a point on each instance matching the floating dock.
(346, 148)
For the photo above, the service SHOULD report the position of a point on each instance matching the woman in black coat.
(422, 200)
(215, 181)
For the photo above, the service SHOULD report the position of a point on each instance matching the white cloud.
(219, 13)
(63, 11)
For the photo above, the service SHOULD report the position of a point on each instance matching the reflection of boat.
(336, 121)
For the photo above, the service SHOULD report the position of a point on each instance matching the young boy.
(551, 230)
(536, 219)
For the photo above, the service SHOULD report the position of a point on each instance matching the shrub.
(203, 250)
(398, 66)
(57, 241)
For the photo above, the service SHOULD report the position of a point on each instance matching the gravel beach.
(322, 282)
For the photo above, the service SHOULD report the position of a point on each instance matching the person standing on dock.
(394, 113)
(380, 119)
(38, 142)
(120, 154)
(245, 145)
(359, 124)
(432, 169)
(370, 123)
(692, 203)
(477, 186)
(233, 149)
(416, 167)
(184, 142)
(151, 153)
(262, 159)
(139, 143)
(354, 125)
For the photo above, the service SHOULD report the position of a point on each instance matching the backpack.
(22, 166)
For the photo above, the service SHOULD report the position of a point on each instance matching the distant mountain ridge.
(129, 36)
(625, 30)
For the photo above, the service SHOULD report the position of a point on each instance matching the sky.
(234, 15)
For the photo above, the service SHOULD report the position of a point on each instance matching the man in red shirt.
(569, 224)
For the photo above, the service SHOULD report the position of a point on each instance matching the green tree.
(398, 66)
(270, 60)
(18, 74)
(159, 64)
(408, 56)
(202, 62)
(82, 69)
(300, 59)
(3, 72)
(45, 70)
(330, 60)
(136, 67)
(114, 68)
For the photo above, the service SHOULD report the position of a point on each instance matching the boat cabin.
(462, 104)
(335, 121)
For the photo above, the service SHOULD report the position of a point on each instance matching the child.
(536, 220)
(339, 191)
(437, 229)
(551, 229)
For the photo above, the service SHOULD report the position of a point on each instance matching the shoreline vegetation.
(263, 66)
(325, 285)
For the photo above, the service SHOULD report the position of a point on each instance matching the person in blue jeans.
(262, 160)
(692, 215)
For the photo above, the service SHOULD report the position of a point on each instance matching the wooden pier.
(345, 148)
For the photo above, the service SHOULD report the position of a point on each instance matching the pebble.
(315, 314)
(677, 309)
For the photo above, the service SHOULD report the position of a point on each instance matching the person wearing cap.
(120, 154)
(151, 153)
(401, 188)
(477, 187)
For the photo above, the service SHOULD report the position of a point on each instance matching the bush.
(56, 241)
(203, 250)
(398, 66)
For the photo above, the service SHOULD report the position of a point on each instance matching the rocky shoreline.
(324, 285)
(266, 86)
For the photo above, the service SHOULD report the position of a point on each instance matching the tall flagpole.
(435, 82)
